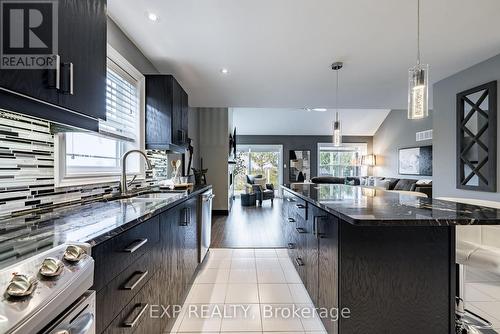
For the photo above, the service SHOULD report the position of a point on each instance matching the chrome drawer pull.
(186, 219)
(135, 320)
(300, 206)
(291, 220)
(71, 78)
(135, 245)
(58, 72)
(291, 245)
(301, 230)
(299, 262)
(131, 286)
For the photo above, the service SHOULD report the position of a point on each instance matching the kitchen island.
(387, 258)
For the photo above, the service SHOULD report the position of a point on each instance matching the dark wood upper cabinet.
(80, 98)
(166, 113)
(82, 44)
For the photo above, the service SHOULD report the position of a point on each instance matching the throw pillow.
(405, 184)
(371, 181)
(392, 182)
(424, 182)
(353, 178)
(362, 181)
(261, 182)
(382, 183)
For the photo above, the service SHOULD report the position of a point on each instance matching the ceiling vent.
(424, 135)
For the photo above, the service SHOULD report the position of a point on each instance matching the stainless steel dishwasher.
(204, 223)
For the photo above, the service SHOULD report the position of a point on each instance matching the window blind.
(122, 107)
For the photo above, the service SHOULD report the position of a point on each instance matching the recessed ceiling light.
(315, 109)
(152, 17)
(224, 71)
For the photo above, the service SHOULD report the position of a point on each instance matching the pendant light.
(337, 132)
(418, 82)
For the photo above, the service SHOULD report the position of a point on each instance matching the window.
(341, 161)
(81, 156)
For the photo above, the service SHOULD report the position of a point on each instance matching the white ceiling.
(288, 121)
(278, 52)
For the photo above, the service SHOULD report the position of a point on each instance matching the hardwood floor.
(250, 227)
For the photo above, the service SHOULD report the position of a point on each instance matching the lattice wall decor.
(477, 138)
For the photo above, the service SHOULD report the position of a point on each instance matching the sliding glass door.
(265, 160)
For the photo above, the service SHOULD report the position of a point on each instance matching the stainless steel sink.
(149, 195)
(157, 195)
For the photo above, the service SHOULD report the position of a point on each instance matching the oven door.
(79, 318)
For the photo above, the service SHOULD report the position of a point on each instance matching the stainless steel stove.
(41, 292)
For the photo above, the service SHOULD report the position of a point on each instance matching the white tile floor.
(249, 284)
(482, 295)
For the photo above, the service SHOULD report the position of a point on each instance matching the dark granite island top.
(94, 223)
(388, 257)
(374, 207)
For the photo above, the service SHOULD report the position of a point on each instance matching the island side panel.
(397, 279)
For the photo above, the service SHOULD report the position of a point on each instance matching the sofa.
(388, 183)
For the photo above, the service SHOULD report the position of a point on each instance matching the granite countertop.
(94, 223)
(373, 207)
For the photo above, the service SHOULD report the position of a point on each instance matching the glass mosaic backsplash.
(27, 169)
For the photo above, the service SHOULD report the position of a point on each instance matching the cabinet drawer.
(135, 316)
(298, 206)
(116, 254)
(114, 296)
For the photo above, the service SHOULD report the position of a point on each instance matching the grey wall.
(194, 134)
(300, 143)
(214, 150)
(396, 132)
(445, 127)
(121, 43)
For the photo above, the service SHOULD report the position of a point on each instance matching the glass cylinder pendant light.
(337, 131)
(418, 82)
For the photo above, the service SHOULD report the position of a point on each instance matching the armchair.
(257, 185)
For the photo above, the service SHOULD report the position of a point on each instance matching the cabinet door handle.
(300, 206)
(71, 78)
(299, 262)
(186, 217)
(135, 245)
(301, 230)
(316, 226)
(135, 319)
(291, 245)
(133, 282)
(291, 220)
(58, 72)
(290, 199)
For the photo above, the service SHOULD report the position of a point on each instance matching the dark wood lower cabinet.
(311, 254)
(385, 279)
(179, 240)
(159, 278)
(328, 255)
(135, 316)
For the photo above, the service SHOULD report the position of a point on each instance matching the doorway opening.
(265, 160)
